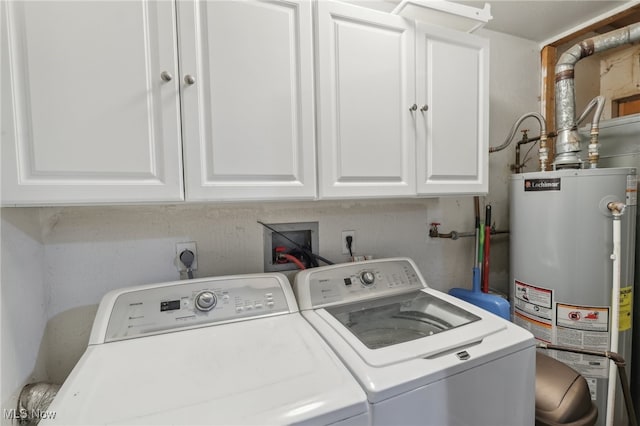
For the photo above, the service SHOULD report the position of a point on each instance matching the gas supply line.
(543, 151)
(519, 165)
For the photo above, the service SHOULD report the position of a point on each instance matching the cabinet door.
(86, 116)
(452, 80)
(248, 116)
(366, 87)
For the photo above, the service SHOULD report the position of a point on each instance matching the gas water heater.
(561, 266)
(573, 240)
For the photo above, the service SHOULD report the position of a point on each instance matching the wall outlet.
(345, 248)
(180, 247)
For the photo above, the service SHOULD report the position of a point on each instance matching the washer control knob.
(205, 301)
(367, 277)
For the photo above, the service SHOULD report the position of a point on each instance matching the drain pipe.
(567, 141)
(617, 209)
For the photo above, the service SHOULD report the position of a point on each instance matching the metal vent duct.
(567, 141)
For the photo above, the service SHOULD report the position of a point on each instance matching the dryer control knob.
(205, 301)
(367, 277)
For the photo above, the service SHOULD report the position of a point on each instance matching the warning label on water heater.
(626, 308)
(552, 184)
(533, 300)
(583, 327)
(533, 310)
(582, 317)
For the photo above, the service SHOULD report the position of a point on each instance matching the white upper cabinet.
(365, 88)
(86, 115)
(403, 107)
(452, 80)
(248, 118)
(100, 102)
(222, 100)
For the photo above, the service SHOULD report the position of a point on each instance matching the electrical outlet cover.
(180, 247)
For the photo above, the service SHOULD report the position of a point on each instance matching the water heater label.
(632, 191)
(585, 327)
(626, 308)
(551, 184)
(532, 300)
(583, 318)
(533, 310)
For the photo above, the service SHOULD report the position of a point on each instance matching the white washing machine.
(422, 356)
(225, 350)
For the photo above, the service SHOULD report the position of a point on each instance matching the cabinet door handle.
(413, 107)
(166, 76)
(189, 79)
(424, 107)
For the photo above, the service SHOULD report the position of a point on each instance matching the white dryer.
(225, 350)
(422, 356)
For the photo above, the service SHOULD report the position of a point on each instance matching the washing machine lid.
(381, 323)
(399, 328)
(273, 370)
(385, 311)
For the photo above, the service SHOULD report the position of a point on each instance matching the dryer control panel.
(348, 282)
(179, 305)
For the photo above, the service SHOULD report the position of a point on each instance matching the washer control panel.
(147, 310)
(356, 281)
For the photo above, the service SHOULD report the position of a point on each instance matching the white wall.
(514, 90)
(92, 250)
(82, 252)
(23, 301)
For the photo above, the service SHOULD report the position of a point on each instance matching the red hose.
(485, 266)
(293, 259)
